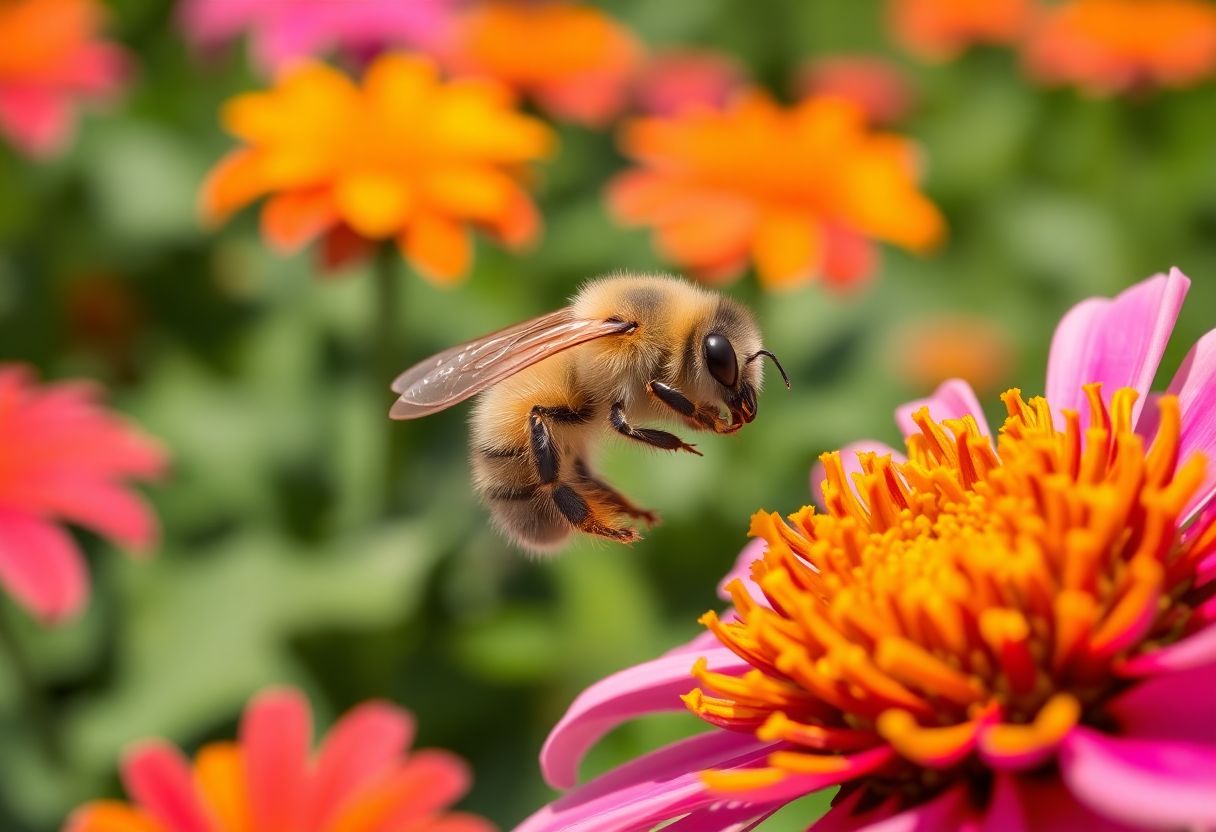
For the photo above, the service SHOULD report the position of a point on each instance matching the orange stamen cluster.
(971, 603)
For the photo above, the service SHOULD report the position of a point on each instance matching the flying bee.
(625, 351)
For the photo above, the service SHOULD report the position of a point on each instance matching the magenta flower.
(64, 458)
(283, 31)
(361, 780)
(51, 58)
(1009, 632)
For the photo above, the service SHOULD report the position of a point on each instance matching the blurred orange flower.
(929, 352)
(1109, 46)
(405, 157)
(941, 29)
(50, 56)
(572, 59)
(800, 191)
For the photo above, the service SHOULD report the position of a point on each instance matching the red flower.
(361, 780)
(64, 458)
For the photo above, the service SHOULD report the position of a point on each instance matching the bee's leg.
(575, 508)
(572, 505)
(610, 495)
(703, 416)
(650, 436)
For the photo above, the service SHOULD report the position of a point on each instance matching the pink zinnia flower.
(1014, 632)
(679, 79)
(283, 31)
(877, 86)
(361, 780)
(51, 57)
(64, 458)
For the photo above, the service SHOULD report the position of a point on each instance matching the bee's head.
(729, 353)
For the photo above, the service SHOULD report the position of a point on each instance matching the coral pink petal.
(362, 746)
(1118, 342)
(1167, 707)
(651, 789)
(653, 687)
(1195, 386)
(851, 464)
(953, 399)
(1194, 651)
(793, 786)
(429, 781)
(38, 121)
(457, 822)
(41, 566)
(275, 734)
(1155, 783)
(742, 570)
(158, 777)
(106, 508)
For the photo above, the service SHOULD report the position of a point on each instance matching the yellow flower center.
(974, 602)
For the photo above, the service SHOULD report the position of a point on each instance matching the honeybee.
(626, 350)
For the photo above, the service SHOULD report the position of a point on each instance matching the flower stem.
(388, 360)
(35, 705)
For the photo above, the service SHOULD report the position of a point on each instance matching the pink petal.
(653, 687)
(39, 121)
(362, 746)
(289, 38)
(1033, 804)
(41, 566)
(1195, 386)
(742, 570)
(1157, 783)
(851, 464)
(944, 812)
(209, 21)
(110, 510)
(1168, 707)
(158, 777)
(659, 786)
(722, 817)
(679, 80)
(953, 399)
(1118, 342)
(275, 733)
(1194, 651)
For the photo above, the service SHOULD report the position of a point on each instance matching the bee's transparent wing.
(456, 374)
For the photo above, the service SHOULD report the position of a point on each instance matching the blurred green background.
(283, 558)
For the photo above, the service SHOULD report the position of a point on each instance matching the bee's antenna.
(780, 369)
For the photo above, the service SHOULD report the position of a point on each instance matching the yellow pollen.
(971, 602)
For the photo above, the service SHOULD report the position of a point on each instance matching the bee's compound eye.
(721, 360)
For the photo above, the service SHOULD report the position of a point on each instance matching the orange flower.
(929, 352)
(404, 157)
(1109, 46)
(50, 57)
(574, 60)
(941, 29)
(799, 191)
